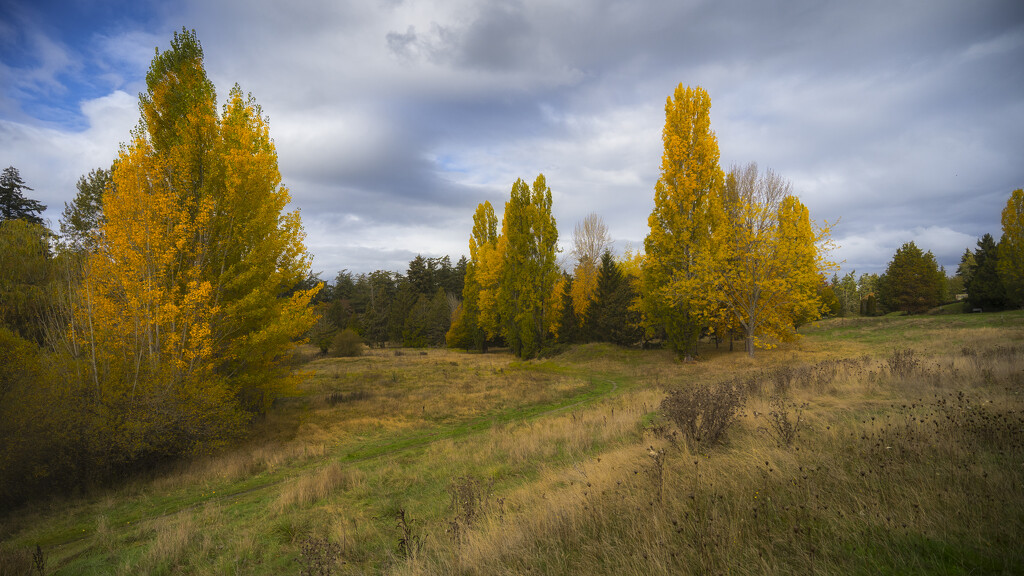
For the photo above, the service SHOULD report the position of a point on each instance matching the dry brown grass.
(317, 485)
(600, 487)
(890, 463)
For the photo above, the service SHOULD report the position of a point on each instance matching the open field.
(908, 456)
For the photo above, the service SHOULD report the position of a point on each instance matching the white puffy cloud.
(51, 160)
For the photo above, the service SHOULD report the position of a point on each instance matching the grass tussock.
(316, 486)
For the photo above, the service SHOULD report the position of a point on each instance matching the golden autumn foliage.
(512, 285)
(186, 312)
(773, 265)
(584, 287)
(725, 255)
(1011, 249)
(467, 329)
(683, 255)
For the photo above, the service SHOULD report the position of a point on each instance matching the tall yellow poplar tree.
(529, 273)
(512, 286)
(187, 308)
(683, 255)
(467, 330)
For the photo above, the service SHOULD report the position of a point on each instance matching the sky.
(895, 120)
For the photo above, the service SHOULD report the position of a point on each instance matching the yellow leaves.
(679, 276)
(774, 260)
(724, 253)
(584, 287)
(1010, 265)
(183, 309)
(489, 275)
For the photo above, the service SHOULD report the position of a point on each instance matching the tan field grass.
(315, 486)
(438, 462)
(866, 475)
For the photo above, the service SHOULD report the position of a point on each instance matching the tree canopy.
(1011, 249)
(772, 267)
(682, 254)
(912, 282)
(985, 288)
(187, 310)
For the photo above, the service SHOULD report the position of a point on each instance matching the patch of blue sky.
(56, 55)
(450, 163)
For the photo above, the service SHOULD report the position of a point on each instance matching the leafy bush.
(347, 343)
(703, 412)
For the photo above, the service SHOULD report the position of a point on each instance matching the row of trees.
(726, 254)
(509, 290)
(162, 319)
(413, 309)
(989, 278)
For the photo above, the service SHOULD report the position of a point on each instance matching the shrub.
(319, 556)
(902, 363)
(347, 343)
(781, 428)
(703, 412)
(323, 342)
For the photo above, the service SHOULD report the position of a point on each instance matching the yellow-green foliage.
(528, 272)
(469, 329)
(1011, 249)
(346, 343)
(25, 272)
(177, 325)
(774, 261)
(682, 256)
(510, 288)
(181, 307)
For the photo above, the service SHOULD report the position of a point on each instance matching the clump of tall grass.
(469, 499)
(16, 561)
(316, 486)
(173, 536)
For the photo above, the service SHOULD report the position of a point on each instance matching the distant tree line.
(989, 278)
(412, 309)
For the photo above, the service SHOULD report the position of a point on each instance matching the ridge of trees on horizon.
(162, 319)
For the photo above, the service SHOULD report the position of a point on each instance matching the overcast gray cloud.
(393, 119)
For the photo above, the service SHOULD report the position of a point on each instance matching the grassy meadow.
(871, 445)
